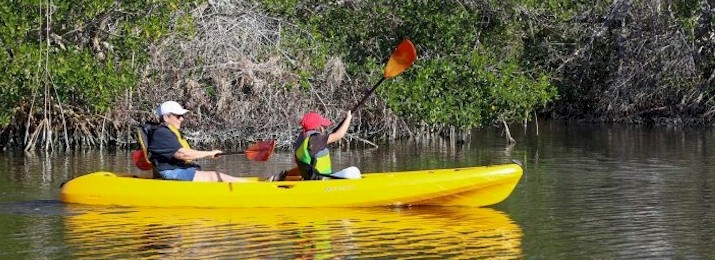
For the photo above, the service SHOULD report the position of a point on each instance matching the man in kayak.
(311, 148)
(171, 153)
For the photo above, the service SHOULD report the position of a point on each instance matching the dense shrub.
(467, 74)
(81, 75)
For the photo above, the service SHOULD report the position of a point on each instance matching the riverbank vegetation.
(81, 76)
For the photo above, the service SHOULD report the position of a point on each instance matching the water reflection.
(111, 232)
(588, 192)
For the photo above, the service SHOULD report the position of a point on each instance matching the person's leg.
(351, 172)
(214, 176)
(187, 174)
(294, 175)
(288, 175)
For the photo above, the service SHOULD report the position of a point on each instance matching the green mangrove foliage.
(468, 71)
(78, 74)
(67, 63)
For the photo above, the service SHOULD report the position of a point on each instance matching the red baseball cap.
(312, 120)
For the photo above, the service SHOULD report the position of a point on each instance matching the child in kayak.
(311, 150)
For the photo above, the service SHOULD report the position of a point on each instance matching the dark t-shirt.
(317, 142)
(163, 144)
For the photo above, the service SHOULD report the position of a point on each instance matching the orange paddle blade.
(260, 151)
(401, 59)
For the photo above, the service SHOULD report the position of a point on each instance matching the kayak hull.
(472, 187)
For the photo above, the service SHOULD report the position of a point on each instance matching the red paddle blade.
(401, 59)
(260, 151)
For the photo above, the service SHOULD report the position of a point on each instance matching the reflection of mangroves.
(100, 232)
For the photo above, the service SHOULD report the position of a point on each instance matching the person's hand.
(348, 115)
(214, 154)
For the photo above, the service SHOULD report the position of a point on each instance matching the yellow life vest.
(182, 141)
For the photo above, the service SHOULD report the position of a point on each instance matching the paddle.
(401, 59)
(260, 151)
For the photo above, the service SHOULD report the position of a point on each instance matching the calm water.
(589, 192)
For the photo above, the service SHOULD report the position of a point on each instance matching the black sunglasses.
(178, 116)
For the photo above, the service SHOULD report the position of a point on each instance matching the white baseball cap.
(171, 107)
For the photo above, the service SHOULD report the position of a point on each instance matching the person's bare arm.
(342, 130)
(191, 154)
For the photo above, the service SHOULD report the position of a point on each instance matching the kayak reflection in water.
(171, 154)
(311, 150)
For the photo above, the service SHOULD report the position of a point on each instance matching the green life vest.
(312, 166)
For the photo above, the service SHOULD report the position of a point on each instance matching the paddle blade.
(401, 59)
(260, 151)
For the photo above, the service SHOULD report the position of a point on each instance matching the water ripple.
(415, 233)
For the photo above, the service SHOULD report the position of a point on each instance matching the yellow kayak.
(472, 187)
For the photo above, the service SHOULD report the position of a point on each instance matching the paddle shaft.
(364, 98)
(231, 153)
(260, 151)
(362, 101)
